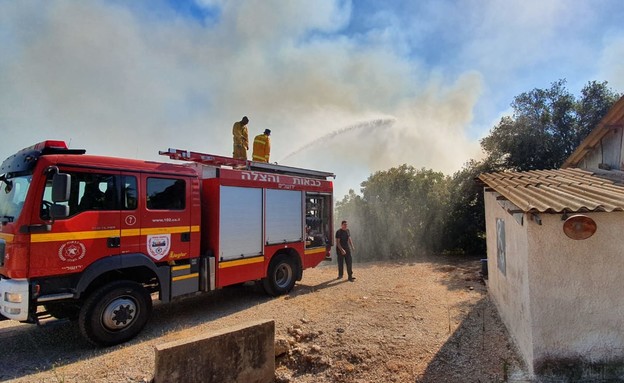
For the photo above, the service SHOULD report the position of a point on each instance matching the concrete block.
(239, 354)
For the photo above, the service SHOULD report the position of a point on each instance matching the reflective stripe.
(241, 262)
(6, 237)
(261, 148)
(182, 277)
(98, 234)
(261, 139)
(315, 251)
(75, 235)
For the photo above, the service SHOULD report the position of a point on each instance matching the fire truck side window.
(129, 193)
(317, 220)
(166, 194)
(89, 191)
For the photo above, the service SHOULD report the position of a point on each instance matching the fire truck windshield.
(12, 196)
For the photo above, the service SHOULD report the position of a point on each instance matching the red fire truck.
(95, 238)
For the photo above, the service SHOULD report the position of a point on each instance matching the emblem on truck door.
(130, 220)
(158, 245)
(72, 251)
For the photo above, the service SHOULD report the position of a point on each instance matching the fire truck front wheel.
(281, 276)
(115, 313)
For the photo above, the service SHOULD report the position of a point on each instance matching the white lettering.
(294, 180)
(251, 176)
(166, 220)
(306, 182)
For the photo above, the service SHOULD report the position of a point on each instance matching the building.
(556, 255)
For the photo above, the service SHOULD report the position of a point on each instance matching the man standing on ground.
(262, 147)
(241, 139)
(344, 245)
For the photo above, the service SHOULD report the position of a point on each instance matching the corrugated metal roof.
(556, 191)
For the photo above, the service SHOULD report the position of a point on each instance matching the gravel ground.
(427, 321)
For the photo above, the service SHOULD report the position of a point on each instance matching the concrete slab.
(239, 354)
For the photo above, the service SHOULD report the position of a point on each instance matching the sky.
(350, 87)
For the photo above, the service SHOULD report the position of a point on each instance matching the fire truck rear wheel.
(281, 276)
(115, 313)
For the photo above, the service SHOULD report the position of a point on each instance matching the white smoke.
(129, 79)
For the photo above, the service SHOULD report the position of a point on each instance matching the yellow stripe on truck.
(130, 232)
(6, 237)
(73, 235)
(98, 234)
(315, 251)
(168, 230)
(241, 262)
(183, 277)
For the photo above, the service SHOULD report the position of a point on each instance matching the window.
(12, 196)
(166, 194)
(88, 192)
(129, 193)
(317, 220)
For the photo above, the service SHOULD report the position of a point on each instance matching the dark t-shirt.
(343, 237)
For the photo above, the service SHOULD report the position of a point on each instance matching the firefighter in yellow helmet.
(241, 139)
(262, 147)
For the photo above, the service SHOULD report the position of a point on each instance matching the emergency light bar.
(49, 144)
(26, 158)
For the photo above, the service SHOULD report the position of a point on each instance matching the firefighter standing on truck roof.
(262, 147)
(241, 139)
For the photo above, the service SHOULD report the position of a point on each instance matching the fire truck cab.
(94, 238)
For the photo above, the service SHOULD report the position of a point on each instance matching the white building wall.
(577, 299)
(510, 291)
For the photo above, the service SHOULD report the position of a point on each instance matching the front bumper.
(14, 298)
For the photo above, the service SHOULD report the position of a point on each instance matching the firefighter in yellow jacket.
(262, 147)
(241, 139)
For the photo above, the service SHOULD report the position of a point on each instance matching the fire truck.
(96, 239)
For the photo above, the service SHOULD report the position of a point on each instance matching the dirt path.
(429, 321)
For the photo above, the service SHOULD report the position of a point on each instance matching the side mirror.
(59, 211)
(61, 187)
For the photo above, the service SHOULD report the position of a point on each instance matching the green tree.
(464, 228)
(404, 212)
(400, 213)
(594, 104)
(546, 126)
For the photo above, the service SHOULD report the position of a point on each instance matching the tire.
(115, 313)
(281, 277)
(62, 310)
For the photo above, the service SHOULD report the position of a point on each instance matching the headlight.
(12, 311)
(13, 297)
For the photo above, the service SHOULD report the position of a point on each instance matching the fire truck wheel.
(281, 277)
(115, 313)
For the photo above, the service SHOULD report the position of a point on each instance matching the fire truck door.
(90, 232)
(130, 214)
(166, 217)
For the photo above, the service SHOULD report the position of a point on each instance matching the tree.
(464, 227)
(595, 103)
(404, 212)
(546, 126)
(400, 214)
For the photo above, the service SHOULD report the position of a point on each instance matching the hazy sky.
(345, 86)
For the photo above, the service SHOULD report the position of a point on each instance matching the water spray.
(380, 123)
